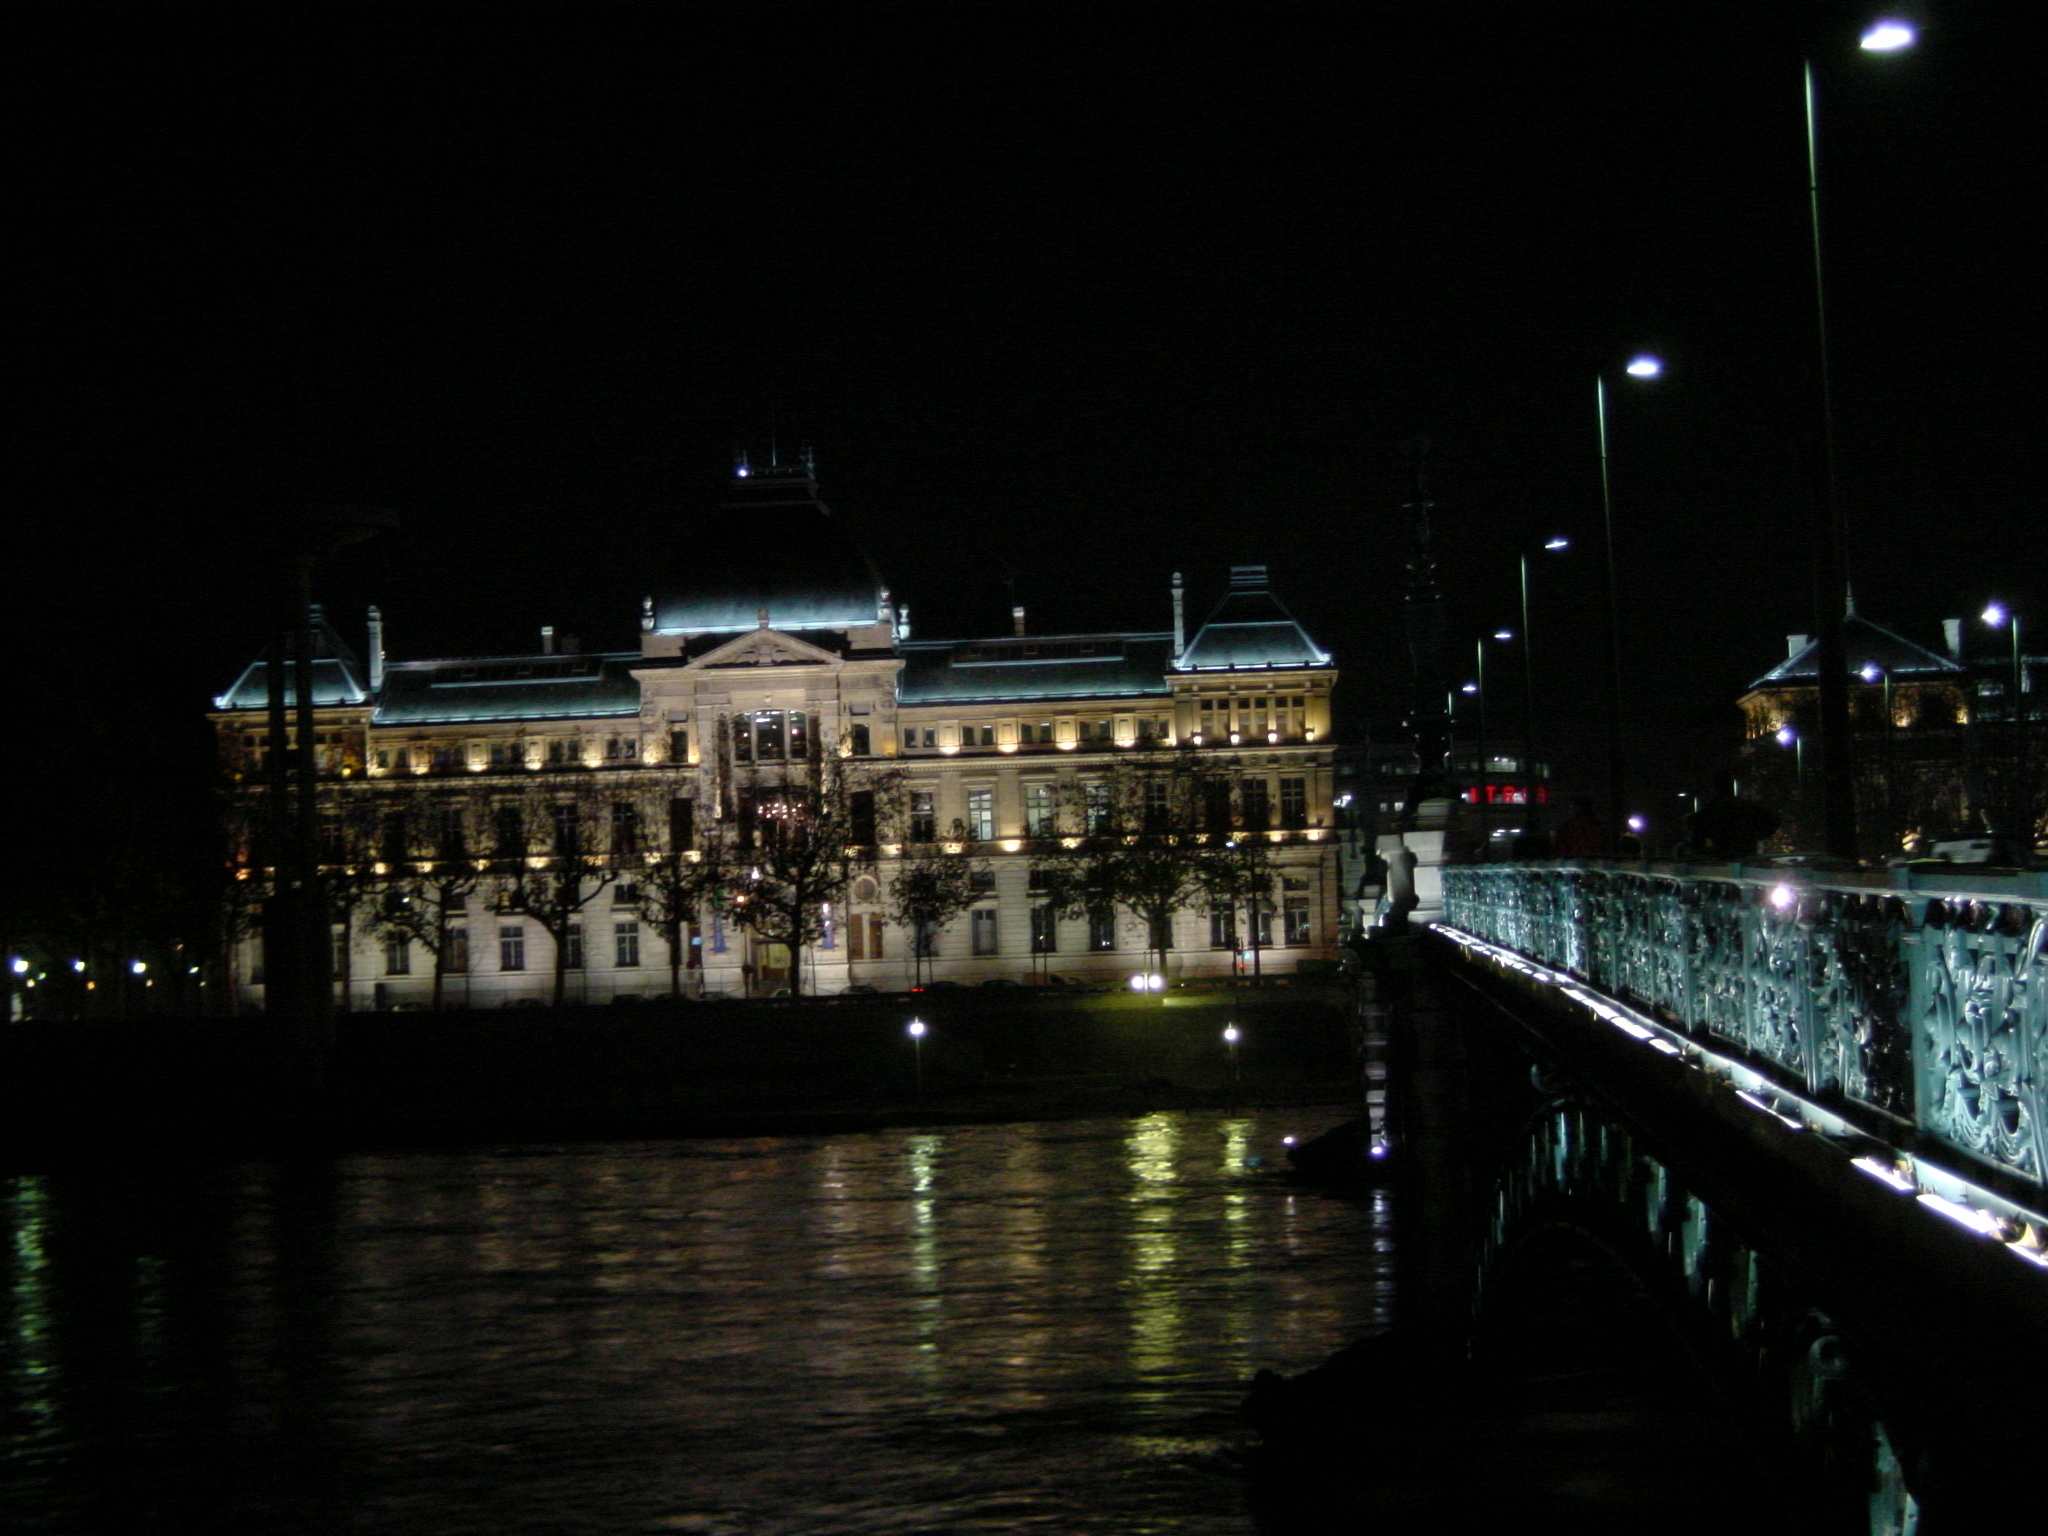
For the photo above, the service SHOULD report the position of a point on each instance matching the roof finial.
(764, 615)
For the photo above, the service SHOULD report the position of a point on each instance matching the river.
(1041, 1327)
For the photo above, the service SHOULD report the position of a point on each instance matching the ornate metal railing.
(1919, 996)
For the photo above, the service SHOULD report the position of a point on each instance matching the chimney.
(1952, 632)
(376, 649)
(1017, 619)
(1180, 623)
(1794, 644)
(547, 639)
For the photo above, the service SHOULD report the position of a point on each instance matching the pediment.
(765, 648)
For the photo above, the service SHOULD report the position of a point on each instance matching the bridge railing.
(1918, 999)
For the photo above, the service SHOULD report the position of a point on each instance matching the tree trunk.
(674, 934)
(440, 955)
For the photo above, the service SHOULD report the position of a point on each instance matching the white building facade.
(985, 743)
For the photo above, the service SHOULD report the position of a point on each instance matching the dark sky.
(1065, 296)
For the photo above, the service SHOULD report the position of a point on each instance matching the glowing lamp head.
(1560, 542)
(137, 967)
(1470, 688)
(1871, 672)
(1637, 823)
(1995, 615)
(1888, 36)
(1782, 896)
(1230, 1034)
(1786, 735)
(915, 1029)
(1503, 634)
(1644, 367)
(19, 966)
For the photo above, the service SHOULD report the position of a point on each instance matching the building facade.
(543, 804)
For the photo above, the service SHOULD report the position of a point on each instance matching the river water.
(1009, 1328)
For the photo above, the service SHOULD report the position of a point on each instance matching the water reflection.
(992, 1328)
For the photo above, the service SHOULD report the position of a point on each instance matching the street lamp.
(1552, 545)
(1645, 367)
(1831, 546)
(915, 1029)
(1998, 616)
(1230, 1039)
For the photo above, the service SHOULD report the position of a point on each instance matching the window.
(625, 828)
(678, 744)
(512, 947)
(875, 926)
(1101, 814)
(986, 736)
(508, 754)
(931, 736)
(1045, 930)
(1294, 804)
(860, 817)
(909, 738)
(1160, 933)
(1296, 916)
(625, 944)
(1223, 929)
(682, 825)
(397, 955)
(562, 751)
(1158, 806)
(447, 758)
(799, 735)
(338, 951)
(981, 815)
(924, 818)
(626, 894)
(1040, 820)
(572, 947)
(455, 952)
(927, 941)
(982, 882)
(1258, 805)
(769, 744)
(508, 833)
(858, 741)
(1102, 928)
(566, 824)
(1216, 805)
(856, 939)
(984, 930)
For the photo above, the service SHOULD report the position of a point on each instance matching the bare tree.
(931, 887)
(359, 835)
(1237, 872)
(801, 830)
(550, 856)
(1133, 837)
(427, 895)
(686, 868)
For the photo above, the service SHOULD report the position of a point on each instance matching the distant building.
(768, 656)
(1947, 743)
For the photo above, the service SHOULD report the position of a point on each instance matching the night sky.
(1065, 299)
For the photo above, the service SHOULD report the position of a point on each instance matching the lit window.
(398, 955)
(1102, 928)
(626, 944)
(512, 948)
(1296, 915)
(983, 928)
(981, 815)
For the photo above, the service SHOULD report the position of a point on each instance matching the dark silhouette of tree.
(550, 856)
(437, 866)
(800, 831)
(685, 867)
(1134, 836)
(930, 888)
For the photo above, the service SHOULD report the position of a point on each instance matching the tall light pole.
(1641, 367)
(1831, 539)
(1529, 683)
(1998, 616)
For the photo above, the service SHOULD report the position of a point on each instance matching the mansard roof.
(337, 674)
(774, 548)
(1866, 644)
(1250, 630)
(509, 688)
(1034, 667)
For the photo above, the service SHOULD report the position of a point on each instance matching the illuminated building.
(767, 658)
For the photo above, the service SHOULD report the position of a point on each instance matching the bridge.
(1803, 1111)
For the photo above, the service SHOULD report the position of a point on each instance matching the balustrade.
(1923, 997)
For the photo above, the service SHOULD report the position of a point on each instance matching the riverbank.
(703, 1069)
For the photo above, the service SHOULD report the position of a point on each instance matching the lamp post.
(1230, 1038)
(1641, 367)
(1998, 616)
(1831, 541)
(1871, 672)
(1529, 680)
(915, 1029)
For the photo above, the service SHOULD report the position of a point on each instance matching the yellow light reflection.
(1151, 1149)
